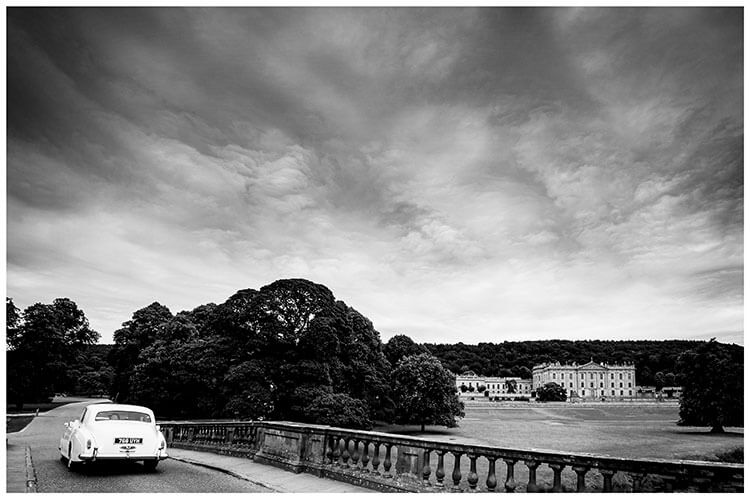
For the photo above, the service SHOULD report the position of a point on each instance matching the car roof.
(118, 407)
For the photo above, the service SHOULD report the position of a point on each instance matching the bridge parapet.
(396, 463)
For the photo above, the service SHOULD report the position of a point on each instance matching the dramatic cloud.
(454, 174)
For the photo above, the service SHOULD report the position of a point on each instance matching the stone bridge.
(393, 463)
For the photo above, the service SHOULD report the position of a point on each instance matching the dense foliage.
(426, 392)
(42, 342)
(712, 377)
(551, 392)
(517, 358)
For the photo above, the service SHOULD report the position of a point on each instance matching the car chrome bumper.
(95, 456)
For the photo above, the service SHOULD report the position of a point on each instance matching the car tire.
(72, 465)
(151, 465)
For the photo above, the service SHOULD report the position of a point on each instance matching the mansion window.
(620, 385)
(592, 384)
(582, 384)
(620, 375)
(613, 392)
(601, 385)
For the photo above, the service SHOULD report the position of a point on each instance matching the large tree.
(551, 392)
(712, 386)
(135, 335)
(42, 343)
(425, 392)
(400, 346)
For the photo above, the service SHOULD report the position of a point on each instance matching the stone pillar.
(532, 486)
(557, 480)
(581, 472)
(426, 470)
(472, 478)
(456, 476)
(491, 477)
(440, 473)
(607, 474)
(376, 458)
(510, 482)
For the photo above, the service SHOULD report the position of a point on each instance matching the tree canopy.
(517, 358)
(551, 392)
(425, 392)
(712, 383)
(42, 342)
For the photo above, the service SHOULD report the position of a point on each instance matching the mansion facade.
(469, 384)
(588, 381)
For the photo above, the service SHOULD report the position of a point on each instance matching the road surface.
(43, 436)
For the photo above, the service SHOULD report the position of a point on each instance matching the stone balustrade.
(395, 463)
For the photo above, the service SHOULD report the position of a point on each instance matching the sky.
(474, 175)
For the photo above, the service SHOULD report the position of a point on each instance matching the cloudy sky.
(454, 174)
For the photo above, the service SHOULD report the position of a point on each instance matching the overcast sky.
(453, 174)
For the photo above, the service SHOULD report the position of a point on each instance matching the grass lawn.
(645, 431)
(31, 407)
(637, 431)
(17, 424)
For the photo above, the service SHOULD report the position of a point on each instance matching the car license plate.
(128, 440)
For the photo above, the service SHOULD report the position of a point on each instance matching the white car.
(114, 432)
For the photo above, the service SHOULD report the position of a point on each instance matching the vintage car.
(113, 432)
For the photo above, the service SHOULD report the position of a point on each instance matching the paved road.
(43, 436)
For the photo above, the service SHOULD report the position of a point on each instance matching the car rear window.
(123, 416)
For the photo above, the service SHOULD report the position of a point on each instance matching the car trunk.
(128, 433)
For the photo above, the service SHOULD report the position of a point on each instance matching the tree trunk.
(422, 427)
(717, 428)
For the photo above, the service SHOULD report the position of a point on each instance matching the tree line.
(287, 351)
(291, 351)
(655, 361)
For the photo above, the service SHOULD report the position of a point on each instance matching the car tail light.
(88, 443)
(162, 445)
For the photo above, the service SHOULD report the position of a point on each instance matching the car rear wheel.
(72, 465)
(151, 465)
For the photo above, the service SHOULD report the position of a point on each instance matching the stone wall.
(392, 463)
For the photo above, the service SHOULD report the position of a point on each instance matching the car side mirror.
(158, 428)
(67, 425)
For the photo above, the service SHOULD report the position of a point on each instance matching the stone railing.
(395, 463)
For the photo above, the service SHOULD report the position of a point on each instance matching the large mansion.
(590, 380)
(471, 385)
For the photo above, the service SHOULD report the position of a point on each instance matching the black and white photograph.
(356, 248)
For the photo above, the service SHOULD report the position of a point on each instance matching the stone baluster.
(329, 449)
(440, 472)
(491, 478)
(336, 450)
(376, 458)
(355, 453)
(581, 472)
(607, 474)
(345, 453)
(365, 455)
(510, 482)
(472, 477)
(387, 461)
(426, 470)
(637, 481)
(557, 479)
(456, 476)
(532, 465)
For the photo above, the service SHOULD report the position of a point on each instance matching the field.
(626, 430)
(645, 431)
